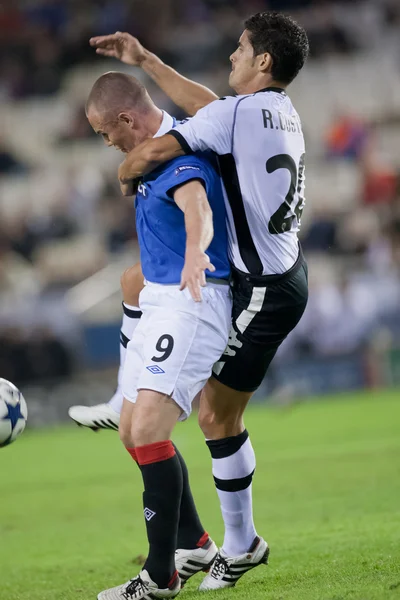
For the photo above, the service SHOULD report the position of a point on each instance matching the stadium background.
(66, 234)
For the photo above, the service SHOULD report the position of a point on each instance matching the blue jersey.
(160, 223)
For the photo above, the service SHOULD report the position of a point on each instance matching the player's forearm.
(193, 202)
(147, 156)
(198, 224)
(192, 199)
(185, 93)
(137, 163)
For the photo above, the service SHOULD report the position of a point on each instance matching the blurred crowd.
(354, 254)
(41, 39)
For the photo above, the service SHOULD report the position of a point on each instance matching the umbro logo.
(148, 514)
(155, 369)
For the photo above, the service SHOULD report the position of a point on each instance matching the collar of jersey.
(278, 90)
(167, 124)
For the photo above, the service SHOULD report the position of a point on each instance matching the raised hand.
(122, 46)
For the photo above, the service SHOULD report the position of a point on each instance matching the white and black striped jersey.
(260, 145)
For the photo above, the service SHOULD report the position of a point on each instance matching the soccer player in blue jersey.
(184, 327)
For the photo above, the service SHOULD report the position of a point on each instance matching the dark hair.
(284, 39)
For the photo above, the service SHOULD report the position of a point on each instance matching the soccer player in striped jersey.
(258, 138)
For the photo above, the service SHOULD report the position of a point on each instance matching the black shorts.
(265, 310)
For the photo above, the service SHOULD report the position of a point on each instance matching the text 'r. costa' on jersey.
(261, 152)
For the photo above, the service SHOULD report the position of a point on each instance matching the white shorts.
(177, 341)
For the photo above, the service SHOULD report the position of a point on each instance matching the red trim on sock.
(171, 582)
(152, 453)
(132, 452)
(203, 540)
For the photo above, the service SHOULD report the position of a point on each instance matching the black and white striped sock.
(233, 465)
(130, 320)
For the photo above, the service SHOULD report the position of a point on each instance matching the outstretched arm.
(192, 200)
(187, 94)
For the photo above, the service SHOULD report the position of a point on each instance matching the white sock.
(130, 321)
(233, 465)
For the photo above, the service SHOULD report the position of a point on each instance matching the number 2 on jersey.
(280, 222)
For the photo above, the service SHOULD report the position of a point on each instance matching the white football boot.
(227, 570)
(190, 562)
(141, 587)
(100, 416)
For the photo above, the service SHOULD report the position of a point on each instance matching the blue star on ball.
(13, 414)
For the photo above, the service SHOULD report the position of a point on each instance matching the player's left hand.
(122, 174)
(193, 274)
(128, 186)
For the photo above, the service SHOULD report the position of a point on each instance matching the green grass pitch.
(326, 497)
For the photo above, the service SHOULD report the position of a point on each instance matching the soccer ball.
(13, 412)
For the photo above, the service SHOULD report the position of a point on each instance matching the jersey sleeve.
(182, 170)
(210, 129)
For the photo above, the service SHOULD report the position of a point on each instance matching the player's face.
(244, 65)
(118, 133)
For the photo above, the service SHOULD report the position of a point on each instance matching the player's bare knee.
(155, 417)
(206, 420)
(124, 428)
(149, 429)
(132, 284)
(210, 420)
(125, 435)
(145, 428)
(218, 425)
(145, 432)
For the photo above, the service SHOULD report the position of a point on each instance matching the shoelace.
(136, 587)
(219, 567)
